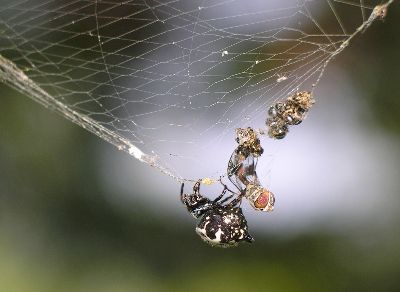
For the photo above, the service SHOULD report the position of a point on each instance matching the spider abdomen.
(224, 227)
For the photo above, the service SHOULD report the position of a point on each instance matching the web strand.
(168, 82)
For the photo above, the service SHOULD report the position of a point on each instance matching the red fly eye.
(262, 200)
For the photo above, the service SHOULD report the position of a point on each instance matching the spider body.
(222, 225)
(195, 203)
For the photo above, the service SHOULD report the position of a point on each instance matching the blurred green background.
(60, 232)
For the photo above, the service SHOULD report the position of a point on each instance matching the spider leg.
(235, 201)
(222, 194)
(182, 186)
(226, 187)
(196, 187)
(235, 182)
(226, 199)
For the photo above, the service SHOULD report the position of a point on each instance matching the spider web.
(169, 81)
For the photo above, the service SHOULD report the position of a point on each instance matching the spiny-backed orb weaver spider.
(222, 225)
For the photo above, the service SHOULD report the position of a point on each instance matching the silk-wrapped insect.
(290, 112)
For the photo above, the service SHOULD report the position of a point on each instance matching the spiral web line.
(166, 81)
